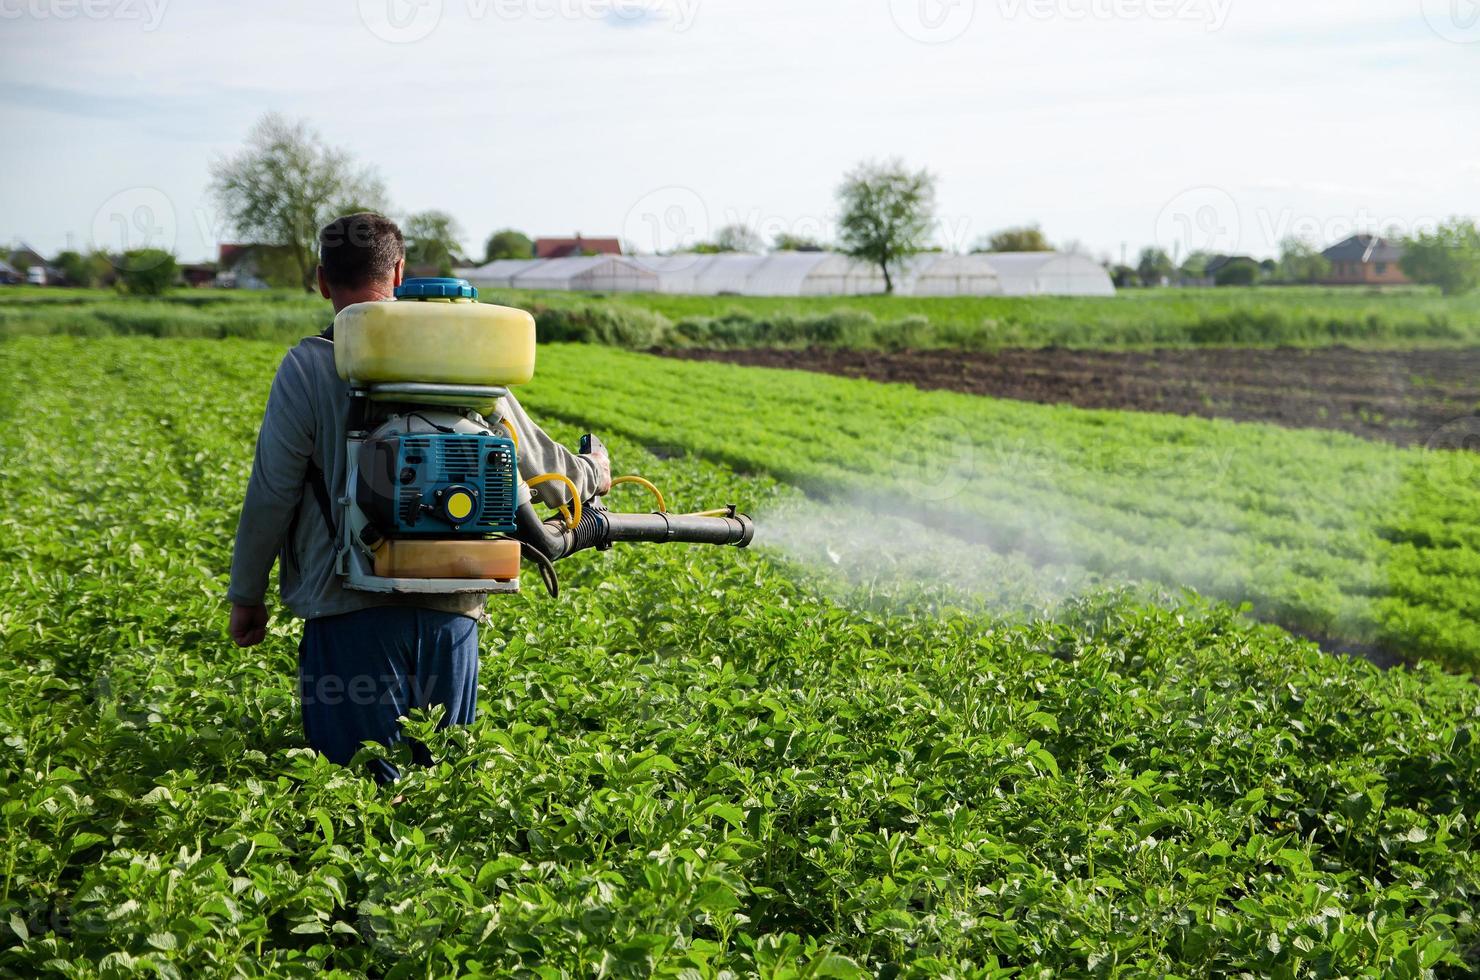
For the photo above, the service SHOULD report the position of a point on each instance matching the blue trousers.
(360, 672)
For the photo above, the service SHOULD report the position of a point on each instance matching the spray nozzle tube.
(600, 529)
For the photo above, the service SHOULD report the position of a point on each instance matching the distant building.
(32, 266)
(199, 274)
(8, 273)
(251, 266)
(1366, 260)
(802, 274)
(563, 248)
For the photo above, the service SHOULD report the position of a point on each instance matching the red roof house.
(560, 248)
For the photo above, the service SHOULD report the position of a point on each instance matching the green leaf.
(732, 815)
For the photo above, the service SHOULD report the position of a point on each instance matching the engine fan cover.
(441, 480)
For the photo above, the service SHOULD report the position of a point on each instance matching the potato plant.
(1357, 543)
(696, 763)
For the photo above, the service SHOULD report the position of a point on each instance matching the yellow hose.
(572, 514)
(513, 436)
(662, 507)
(574, 518)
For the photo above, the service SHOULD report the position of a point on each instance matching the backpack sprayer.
(434, 502)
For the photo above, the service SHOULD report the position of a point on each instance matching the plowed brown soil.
(1396, 396)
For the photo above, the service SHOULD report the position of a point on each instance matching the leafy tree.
(1195, 266)
(1239, 272)
(433, 238)
(887, 212)
(1154, 267)
(275, 266)
(1447, 257)
(1301, 261)
(286, 184)
(508, 244)
(1028, 238)
(147, 272)
(737, 238)
(787, 242)
(82, 270)
(1123, 276)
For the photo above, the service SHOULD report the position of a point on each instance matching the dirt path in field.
(1396, 396)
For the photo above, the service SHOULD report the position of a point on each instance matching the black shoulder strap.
(320, 489)
(316, 481)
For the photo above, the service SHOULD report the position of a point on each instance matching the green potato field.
(721, 763)
(1358, 543)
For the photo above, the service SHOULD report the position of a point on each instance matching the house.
(252, 266)
(32, 266)
(1365, 260)
(199, 274)
(561, 248)
(1227, 270)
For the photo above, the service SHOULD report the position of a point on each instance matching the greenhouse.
(677, 273)
(839, 275)
(587, 273)
(498, 274)
(804, 274)
(1049, 274)
(955, 275)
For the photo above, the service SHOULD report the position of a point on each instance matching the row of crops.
(1304, 316)
(1358, 543)
(697, 762)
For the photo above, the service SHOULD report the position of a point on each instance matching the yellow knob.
(459, 506)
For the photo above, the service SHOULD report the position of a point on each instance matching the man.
(365, 659)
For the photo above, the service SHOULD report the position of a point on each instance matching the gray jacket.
(305, 422)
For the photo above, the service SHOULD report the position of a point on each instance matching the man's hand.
(248, 624)
(603, 468)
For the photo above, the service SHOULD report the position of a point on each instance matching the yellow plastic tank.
(435, 332)
(496, 558)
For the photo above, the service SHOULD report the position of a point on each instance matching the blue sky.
(1224, 124)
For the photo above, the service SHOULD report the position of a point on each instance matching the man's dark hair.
(359, 249)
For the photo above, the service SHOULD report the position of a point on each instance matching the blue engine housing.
(441, 485)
